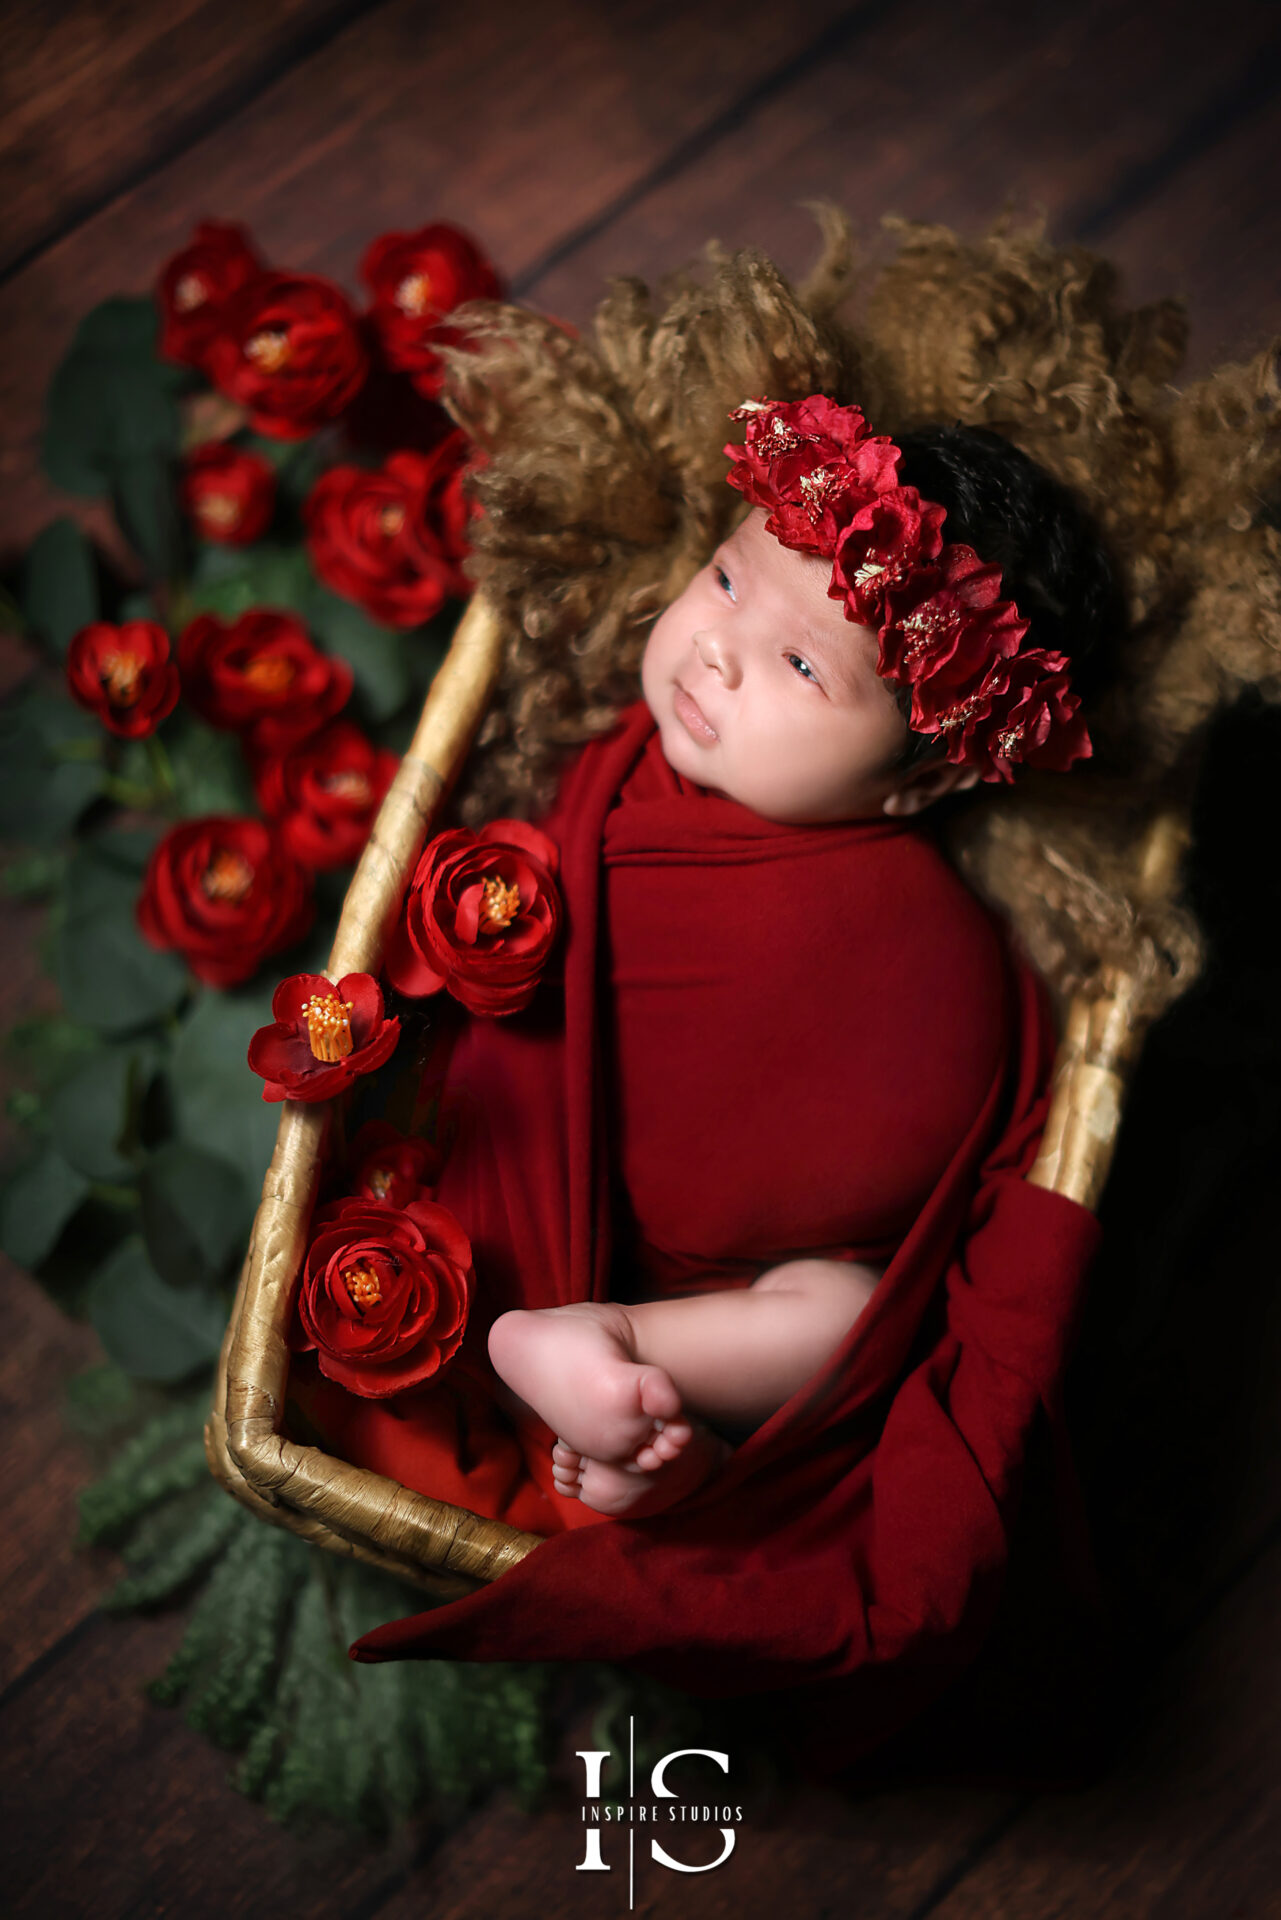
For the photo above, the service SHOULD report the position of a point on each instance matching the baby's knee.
(837, 1289)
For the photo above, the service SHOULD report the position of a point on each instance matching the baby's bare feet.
(575, 1366)
(630, 1491)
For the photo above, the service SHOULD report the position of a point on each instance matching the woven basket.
(351, 1510)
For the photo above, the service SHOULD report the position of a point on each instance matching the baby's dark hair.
(1053, 563)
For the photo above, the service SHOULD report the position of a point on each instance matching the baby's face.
(762, 690)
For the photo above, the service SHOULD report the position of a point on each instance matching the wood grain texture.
(937, 112)
(92, 94)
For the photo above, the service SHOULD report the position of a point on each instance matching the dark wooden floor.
(577, 141)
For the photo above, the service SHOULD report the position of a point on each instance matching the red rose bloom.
(480, 917)
(415, 279)
(290, 351)
(224, 893)
(391, 540)
(261, 675)
(124, 675)
(390, 1167)
(324, 794)
(196, 285)
(384, 1295)
(324, 1036)
(229, 493)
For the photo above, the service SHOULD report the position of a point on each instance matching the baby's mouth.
(692, 717)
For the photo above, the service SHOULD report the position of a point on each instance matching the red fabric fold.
(875, 1030)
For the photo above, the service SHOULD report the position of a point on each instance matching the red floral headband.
(832, 490)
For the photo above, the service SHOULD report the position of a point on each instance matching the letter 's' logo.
(662, 1811)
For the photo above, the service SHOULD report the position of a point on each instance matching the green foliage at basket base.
(263, 1669)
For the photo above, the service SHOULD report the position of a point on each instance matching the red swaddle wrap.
(853, 1065)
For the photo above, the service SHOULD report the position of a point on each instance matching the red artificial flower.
(392, 539)
(884, 544)
(224, 893)
(385, 1294)
(1023, 714)
(323, 1037)
(261, 675)
(229, 493)
(480, 917)
(813, 464)
(415, 279)
(123, 675)
(196, 285)
(945, 627)
(324, 794)
(290, 351)
(391, 1167)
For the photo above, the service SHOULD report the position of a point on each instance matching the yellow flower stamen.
(221, 511)
(502, 904)
(363, 1284)
(391, 520)
(269, 673)
(268, 350)
(228, 876)
(120, 675)
(328, 1026)
(349, 785)
(413, 295)
(190, 293)
(380, 1182)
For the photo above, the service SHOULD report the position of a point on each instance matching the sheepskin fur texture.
(602, 489)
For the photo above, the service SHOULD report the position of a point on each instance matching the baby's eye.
(722, 580)
(802, 666)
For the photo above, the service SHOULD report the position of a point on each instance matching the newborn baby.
(808, 693)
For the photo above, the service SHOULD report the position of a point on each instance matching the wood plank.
(93, 93)
(1189, 1823)
(47, 1583)
(114, 1806)
(518, 122)
(941, 113)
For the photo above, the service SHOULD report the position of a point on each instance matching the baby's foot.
(575, 1367)
(630, 1490)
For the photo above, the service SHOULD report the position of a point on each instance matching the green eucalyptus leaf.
(90, 1114)
(111, 401)
(153, 1331)
(59, 588)
(53, 766)
(37, 1204)
(197, 1209)
(218, 1104)
(209, 770)
(377, 656)
(144, 491)
(110, 978)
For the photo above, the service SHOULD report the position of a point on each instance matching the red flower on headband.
(813, 464)
(480, 918)
(831, 489)
(323, 1036)
(385, 1294)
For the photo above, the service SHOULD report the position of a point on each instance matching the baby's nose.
(713, 651)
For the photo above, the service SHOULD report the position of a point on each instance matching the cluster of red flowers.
(945, 632)
(289, 347)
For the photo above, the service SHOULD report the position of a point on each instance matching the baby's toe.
(658, 1394)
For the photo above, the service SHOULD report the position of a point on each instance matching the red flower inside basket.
(392, 1167)
(123, 675)
(261, 675)
(415, 279)
(385, 1294)
(392, 540)
(324, 1036)
(223, 892)
(480, 918)
(289, 350)
(196, 286)
(228, 493)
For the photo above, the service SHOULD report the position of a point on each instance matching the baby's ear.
(928, 784)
